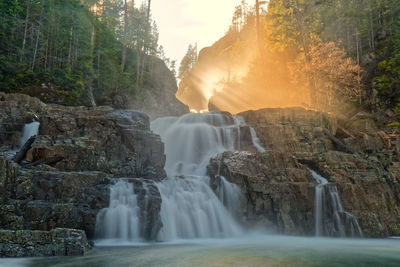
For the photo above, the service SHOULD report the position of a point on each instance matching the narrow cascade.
(330, 217)
(256, 141)
(190, 209)
(30, 129)
(120, 221)
(229, 194)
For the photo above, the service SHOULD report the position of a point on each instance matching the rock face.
(278, 189)
(159, 96)
(57, 242)
(97, 146)
(293, 130)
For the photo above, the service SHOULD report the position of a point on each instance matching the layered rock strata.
(97, 146)
(278, 190)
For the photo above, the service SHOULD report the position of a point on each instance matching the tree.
(188, 61)
(335, 75)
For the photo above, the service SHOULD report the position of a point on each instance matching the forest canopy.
(66, 50)
(312, 53)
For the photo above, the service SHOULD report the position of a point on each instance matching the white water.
(330, 218)
(120, 221)
(256, 140)
(230, 194)
(30, 129)
(190, 209)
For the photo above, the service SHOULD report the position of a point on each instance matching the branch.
(48, 161)
(22, 152)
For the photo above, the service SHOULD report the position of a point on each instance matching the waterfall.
(191, 140)
(330, 217)
(256, 141)
(120, 221)
(190, 209)
(229, 194)
(30, 129)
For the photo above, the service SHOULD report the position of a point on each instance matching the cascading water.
(190, 209)
(330, 217)
(30, 129)
(229, 194)
(120, 221)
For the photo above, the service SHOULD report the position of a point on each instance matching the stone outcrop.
(118, 142)
(158, 98)
(278, 189)
(278, 192)
(57, 242)
(293, 130)
(368, 189)
(96, 145)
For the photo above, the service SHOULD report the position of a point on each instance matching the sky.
(184, 22)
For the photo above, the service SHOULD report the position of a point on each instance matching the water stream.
(330, 217)
(30, 129)
(189, 207)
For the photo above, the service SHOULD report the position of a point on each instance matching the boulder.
(57, 242)
(278, 191)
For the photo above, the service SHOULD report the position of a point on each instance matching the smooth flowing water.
(190, 208)
(120, 221)
(30, 129)
(330, 217)
(255, 250)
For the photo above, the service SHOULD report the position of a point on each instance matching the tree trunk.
(124, 38)
(22, 152)
(38, 35)
(26, 28)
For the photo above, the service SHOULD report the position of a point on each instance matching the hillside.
(84, 52)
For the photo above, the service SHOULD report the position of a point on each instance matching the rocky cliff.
(93, 147)
(279, 189)
(158, 99)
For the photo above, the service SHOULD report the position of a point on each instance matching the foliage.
(76, 47)
(188, 61)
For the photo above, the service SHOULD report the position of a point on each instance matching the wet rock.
(57, 242)
(368, 190)
(149, 201)
(278, 192)
(8, 174)
(294, 130)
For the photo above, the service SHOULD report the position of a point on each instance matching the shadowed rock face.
(98, 145)
(279, 191)
(58, 242)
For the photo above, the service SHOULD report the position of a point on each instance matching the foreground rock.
(57, 242)
(96, 147)
(278, 192)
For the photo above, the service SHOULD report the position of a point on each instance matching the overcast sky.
(184, 22)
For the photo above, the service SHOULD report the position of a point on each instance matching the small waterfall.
(191, 140)
(229, 194)
(190, 208)
(30, 129)
(120, 221)
(256, 141)
(330, 217)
